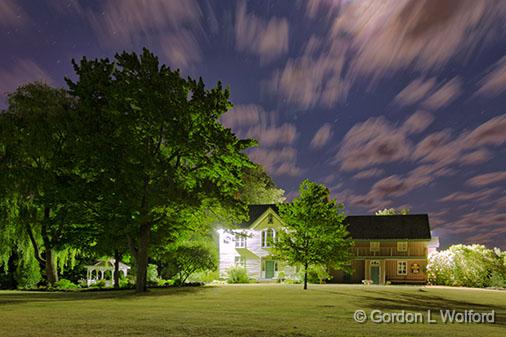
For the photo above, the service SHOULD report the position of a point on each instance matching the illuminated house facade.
(249, 245)
(387, 249)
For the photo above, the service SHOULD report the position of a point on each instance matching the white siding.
(253, 253)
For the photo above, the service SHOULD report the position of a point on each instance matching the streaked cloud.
(415, 91)
(22, 72)
(444, 95)
(12, 14)
(322, 136)
(181, 49)
(252, 121)
(268, 39)
(418, 122)
(375, 141)
(494, 83)
(370, 173)
(470, 196)
(487, 179)
(278, 162)
(174, 25)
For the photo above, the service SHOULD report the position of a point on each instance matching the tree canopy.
(393, 211)
(38, 159)
(152, 145)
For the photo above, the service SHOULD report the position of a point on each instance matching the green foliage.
(237, 274)
(182, 260)
(469, 266)
(28, 273)
(315, 234)
(65, 284)
(125, 282)
(152, 147)
(38, 159)
(317, 274)
(259, 188)
(393, 211)
(152, 275)
(99, 284)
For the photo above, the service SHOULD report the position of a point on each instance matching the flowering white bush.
(470, 266)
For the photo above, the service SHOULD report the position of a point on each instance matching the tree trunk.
(117, 257)
(49, 252)
(51, 269)
(305, 275)
(141, 258)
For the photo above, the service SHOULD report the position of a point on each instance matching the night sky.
(389, 103)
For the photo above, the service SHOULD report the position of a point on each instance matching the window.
(402, 246)
(402, 268)
(240, 261)
(374, 246)
(240, 241)
(268, 237)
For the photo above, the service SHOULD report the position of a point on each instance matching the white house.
(249, 245)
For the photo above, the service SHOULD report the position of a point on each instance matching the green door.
(269, 269)
(375, 273)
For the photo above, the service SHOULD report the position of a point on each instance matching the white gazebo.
(104, 270)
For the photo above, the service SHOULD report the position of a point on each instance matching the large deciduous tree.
(315, 234)
(154, 143)
(37, 157)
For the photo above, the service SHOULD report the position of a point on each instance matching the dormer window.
(268, 237)
(240, 240)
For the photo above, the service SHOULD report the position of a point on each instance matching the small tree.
(315, 234)
(188, 258)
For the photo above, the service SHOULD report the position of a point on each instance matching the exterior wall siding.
(253, 252)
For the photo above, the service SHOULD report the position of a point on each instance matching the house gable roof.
(389, 227)
(254, 212)
(362, 227)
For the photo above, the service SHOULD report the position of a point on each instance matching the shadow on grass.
(20, 297)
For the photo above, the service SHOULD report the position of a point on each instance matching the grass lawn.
(244, 310)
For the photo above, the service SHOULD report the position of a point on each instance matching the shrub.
(125, 283)
(237, 274)
(65, 284)
(469, 266)
(498, 280)
(99, 284)
(152, 274)
(182, 261)
(204, 276)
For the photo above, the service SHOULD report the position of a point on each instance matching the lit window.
(374, 246)
(240, 261)
(240, 241)
(402, 246)
(268, 237)
(402, 268)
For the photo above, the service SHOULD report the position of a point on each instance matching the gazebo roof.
(108, 264)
